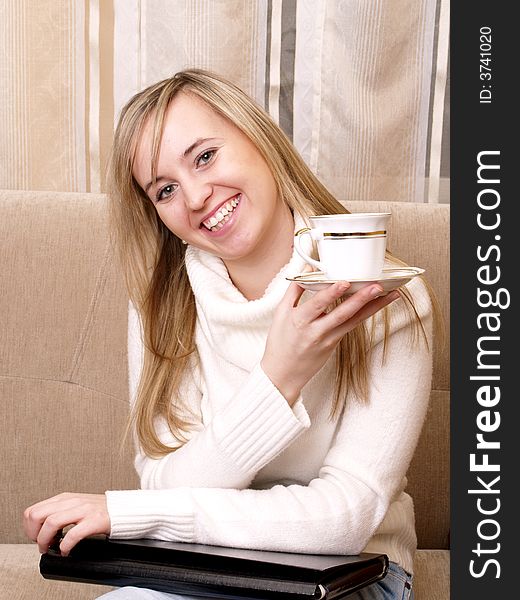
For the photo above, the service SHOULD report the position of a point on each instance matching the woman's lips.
(222, 215)
(224, 225)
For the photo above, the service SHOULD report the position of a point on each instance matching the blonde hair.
(153, 258)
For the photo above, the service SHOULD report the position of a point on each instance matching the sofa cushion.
(431, 580)
(63, 379)
(59, 437)
(20, 578)
(429, 475)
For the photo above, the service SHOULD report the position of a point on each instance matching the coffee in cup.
(350, 245)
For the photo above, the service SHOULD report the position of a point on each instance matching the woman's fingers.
(350, 306)
(83, 529)
(42, 521)
(292, 295)
(55, 523)
(75, 534)
(321, 301)
(35, 515)
(316, 310)
(365, 311)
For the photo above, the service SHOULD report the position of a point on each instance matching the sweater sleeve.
(254, 427)
(339, 510)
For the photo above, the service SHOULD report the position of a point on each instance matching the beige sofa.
(63, 388)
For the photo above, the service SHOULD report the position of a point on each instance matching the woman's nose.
(196, 194)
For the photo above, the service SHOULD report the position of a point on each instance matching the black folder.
(213, 571)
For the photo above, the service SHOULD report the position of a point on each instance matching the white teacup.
(350, 245)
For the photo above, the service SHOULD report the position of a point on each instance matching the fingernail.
(377, 290)
(343, 286)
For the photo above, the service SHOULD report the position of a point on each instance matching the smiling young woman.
(213, 189)
(265, 417)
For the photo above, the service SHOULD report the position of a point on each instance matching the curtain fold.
(360, 86)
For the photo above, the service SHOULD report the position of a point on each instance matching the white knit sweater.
(256, 473)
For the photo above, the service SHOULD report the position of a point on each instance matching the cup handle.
(299, 249)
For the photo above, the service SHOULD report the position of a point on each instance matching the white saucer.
(389, 280)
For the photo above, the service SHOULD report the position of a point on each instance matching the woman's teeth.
(222, 216)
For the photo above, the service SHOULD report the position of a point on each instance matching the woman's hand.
(302, 337)
(87, 512)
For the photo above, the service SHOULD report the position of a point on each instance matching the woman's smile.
(223, 217)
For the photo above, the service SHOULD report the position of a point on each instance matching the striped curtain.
(360, 86)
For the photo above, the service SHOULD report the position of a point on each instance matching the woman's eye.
(165, 192)
(205, 157)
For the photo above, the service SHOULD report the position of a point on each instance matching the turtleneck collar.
(218, 298)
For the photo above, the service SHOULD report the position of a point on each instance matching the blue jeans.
(396, 585)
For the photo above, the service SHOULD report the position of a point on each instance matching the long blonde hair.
(153, 258)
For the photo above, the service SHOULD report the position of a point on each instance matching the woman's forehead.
(186, 119)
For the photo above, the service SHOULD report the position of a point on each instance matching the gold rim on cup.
(344, 235)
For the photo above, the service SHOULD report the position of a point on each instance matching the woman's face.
(213, 188)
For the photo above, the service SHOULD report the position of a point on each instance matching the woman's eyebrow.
(149, 184)
(198, 142)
